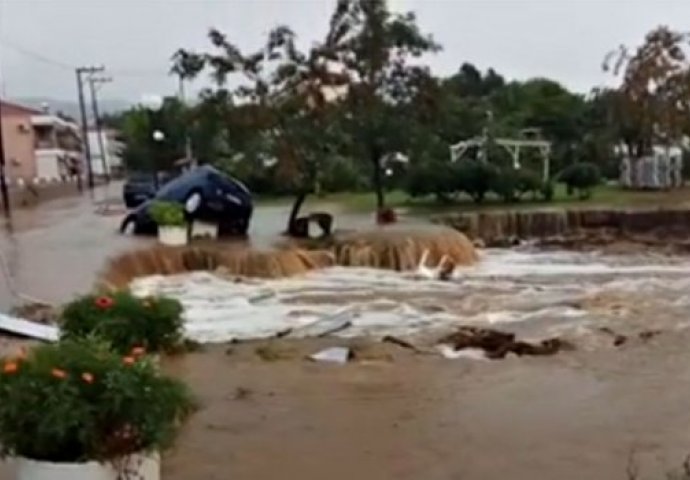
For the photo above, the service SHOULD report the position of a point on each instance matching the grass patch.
(602, 196)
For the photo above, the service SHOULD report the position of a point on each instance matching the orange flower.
(87, 377)
(104, 303)
(138, 351)
(57, 373)
(129, 360)
(10, 368)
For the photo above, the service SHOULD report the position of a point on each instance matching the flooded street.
(573, 416)
(55, 250)
(392, 414)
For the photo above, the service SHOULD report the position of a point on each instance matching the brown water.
(55, 250)
(574, 416)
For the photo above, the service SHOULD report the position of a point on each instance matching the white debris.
(339, 355)
(25, 328)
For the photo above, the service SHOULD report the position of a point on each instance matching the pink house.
(19, 141)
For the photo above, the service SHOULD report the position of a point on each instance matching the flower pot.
(172, 236)
(135, 467)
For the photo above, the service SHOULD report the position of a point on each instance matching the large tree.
(285, 101)
(654, 96)
(374, 47)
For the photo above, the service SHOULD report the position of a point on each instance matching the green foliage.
(167, 214)
(475, 178)
(580, 178)
(432, 178)
(76, 401)
(547, 191)
(505, 184)
(125, 321)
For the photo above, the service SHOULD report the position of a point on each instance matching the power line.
(35, 55)
(39, 57)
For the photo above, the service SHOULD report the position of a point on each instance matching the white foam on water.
(506, 288)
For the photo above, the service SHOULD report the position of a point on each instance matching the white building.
(57, 146)
(109, 161)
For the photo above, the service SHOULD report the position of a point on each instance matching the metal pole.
(97, 122)
(3, 181)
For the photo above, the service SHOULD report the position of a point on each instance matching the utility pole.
(84, 125)
(97, 121)
(3, 180)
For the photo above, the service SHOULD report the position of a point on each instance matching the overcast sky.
(562, 39)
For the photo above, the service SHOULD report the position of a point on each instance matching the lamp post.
(158, 137)
(152, 104)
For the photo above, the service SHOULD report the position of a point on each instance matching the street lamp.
(152, 104)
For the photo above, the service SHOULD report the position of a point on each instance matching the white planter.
(172, 236)
(135, 467)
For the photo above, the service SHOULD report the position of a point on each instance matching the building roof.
(10, 108)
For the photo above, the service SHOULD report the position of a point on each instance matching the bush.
(505, 184)
(125, 321)
(547, 191)
(167, 214)
(475, 178)
(527, 181)
(77, 401)
(434, 178)
(580, 178)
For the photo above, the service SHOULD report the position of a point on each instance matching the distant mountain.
(71, 107)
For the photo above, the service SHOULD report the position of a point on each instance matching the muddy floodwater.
(55, 250)
(609, 407)
(588, 297)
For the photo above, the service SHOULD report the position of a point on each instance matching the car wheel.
(128, 221)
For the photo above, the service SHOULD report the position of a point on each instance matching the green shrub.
(76, 401)
(433, 178)
(547, 191)
(125, 321)
(167, 214)
(505, 184)
(475, 178)
(580, 178)
(528, 181)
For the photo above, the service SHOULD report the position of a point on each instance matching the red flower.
(87, 377)
(10, 368)
(129, 360)
(104, 303)
(60, 374)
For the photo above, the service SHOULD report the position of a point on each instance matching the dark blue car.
(207, 194)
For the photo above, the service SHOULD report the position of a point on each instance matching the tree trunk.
(294, 213)
(378, 179)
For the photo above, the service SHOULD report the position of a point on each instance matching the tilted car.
(207, 195)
